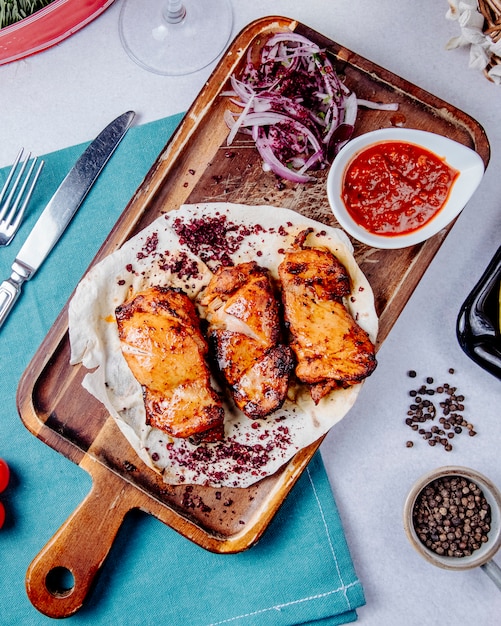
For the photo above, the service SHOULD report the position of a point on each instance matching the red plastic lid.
(48, 26)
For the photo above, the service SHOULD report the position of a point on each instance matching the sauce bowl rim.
(468, 163)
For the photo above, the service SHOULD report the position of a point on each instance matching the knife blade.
(60, 209)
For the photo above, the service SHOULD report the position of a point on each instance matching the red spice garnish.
(190, 501)
(211, 238)
(181, 264)
(239, 458)
(149, 247)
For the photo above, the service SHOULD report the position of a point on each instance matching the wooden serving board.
(195, 166)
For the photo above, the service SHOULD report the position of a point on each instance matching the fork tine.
(5, 188)
(13, 207)
(14, 189)
(8, 203)
(26, 198)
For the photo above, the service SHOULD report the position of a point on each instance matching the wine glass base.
(175, 49)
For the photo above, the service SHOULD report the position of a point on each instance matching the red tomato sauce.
(395, 187)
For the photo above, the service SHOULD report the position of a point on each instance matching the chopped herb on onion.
(294, 106)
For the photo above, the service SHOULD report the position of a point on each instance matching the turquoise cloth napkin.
(300, 572)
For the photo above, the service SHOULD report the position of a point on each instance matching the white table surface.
(62, 96)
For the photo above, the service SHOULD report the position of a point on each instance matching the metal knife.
(62, 206)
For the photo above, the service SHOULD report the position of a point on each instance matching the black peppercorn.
(450, 529)
(422, 410)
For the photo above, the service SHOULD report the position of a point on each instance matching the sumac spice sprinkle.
(194, 501)
(212, 238)
(452, 517)
(150, 246)
(238, 458)
(180, 264)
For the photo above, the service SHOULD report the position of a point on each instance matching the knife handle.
(9, 293)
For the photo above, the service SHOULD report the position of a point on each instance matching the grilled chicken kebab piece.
(244, 326)
(162, 343)
(331, 349)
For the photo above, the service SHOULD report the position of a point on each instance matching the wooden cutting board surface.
(197, 166)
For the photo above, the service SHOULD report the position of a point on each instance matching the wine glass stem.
(174, 11)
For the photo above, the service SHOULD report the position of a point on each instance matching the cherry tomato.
(2, 515)
(4, 475)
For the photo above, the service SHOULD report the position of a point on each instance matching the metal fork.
(14, 198)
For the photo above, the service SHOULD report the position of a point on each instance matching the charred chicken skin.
(331, 349)
(244, 328)
(162, 343)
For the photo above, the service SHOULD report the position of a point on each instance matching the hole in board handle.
(60, 582)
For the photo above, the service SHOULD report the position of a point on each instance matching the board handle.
(61, 575)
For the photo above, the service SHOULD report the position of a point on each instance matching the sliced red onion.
(296, 91)
(275, 164)
(380, 106)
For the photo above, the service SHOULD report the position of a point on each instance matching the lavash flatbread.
(165, 254)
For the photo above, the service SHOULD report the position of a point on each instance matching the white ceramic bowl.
(468, 163)
(479, 557)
